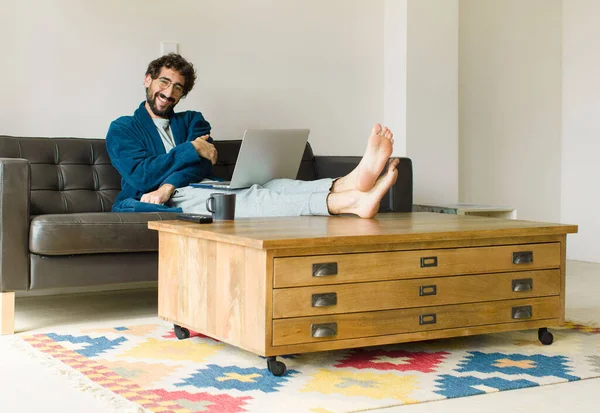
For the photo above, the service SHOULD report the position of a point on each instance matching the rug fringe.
(79, 381)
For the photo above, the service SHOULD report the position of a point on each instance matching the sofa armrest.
(400, 196)
(14, 224)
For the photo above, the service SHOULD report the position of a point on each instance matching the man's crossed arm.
(204, 149)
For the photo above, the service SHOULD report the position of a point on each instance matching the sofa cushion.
(94, 233)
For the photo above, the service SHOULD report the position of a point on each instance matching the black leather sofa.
(56, 225)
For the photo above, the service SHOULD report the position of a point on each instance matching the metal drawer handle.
(523, 284)
(325, 268)
(522, 312)
(324, 300)
(428, 262)
(426, 290)
(323, 330)
(425, 319)
(522, 257)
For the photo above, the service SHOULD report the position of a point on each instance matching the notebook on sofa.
(265, 154)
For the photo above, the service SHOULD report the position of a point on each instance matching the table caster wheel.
(181, 332)
(545, 337)
(276, 367)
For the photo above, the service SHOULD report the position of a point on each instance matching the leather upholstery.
(94, 269)
(67, 174)
(56, 228)
(14, 224)
(94, 233)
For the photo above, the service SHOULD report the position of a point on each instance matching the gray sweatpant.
(279, 197)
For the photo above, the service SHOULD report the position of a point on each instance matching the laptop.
(265, 154)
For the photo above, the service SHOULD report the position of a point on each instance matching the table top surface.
(311, 231)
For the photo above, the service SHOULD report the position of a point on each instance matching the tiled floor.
(26, 386)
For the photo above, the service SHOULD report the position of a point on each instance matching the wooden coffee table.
(277, 286)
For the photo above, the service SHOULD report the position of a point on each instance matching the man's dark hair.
(176, 62)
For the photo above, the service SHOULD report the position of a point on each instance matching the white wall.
(581, 126)
(394, 85)
(510, 105)
(432, 99)
(73, 66)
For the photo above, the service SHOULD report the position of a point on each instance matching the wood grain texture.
(563, 278)
(214, 288)
(247, 282)
(286, 232)
(7, 313)
(378, 323)
(413, 336)
(411, 246)
(297, 271)
(386, 295)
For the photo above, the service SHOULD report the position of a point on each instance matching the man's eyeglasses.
(164, 83)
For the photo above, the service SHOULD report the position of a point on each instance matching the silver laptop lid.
(267, 154)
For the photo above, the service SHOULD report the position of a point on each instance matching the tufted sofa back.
(66, 174)
(71, 175)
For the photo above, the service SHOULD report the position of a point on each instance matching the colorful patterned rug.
(148, 366)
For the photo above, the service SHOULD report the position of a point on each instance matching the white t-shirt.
(164, 130)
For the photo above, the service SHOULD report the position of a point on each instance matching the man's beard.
(152, 103)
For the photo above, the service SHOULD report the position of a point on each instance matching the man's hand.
(205, 149)
(160, 196)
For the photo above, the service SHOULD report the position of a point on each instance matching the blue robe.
(138, 153)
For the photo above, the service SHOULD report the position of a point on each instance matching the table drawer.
(388, 295)
(377, 323)
(378, 266)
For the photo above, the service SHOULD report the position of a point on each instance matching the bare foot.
(364, 204)
(379, 150)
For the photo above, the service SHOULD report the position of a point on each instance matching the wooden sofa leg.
(7, 313)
